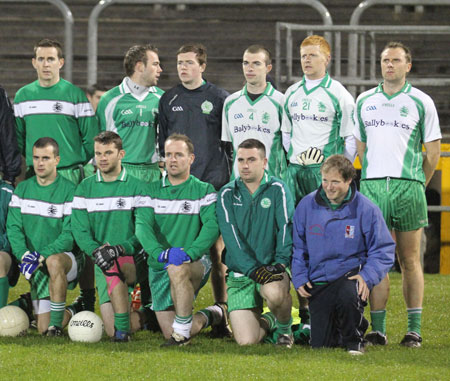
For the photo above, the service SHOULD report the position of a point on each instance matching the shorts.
(402, 202)
(74, 174)
(243, 293)
(303, 179)
(102, 285)
(40, 280)
(145, 172)
(160, 285)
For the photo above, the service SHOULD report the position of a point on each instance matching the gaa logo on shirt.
(349, 231)
(57, 107)
(265, 203)
(265, 118)
(52, 210)
(404, 111)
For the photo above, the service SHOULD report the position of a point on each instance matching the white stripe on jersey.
(190, 207)
(107, 204)
(41, 208)
(54, 107)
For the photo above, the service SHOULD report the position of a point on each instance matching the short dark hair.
(253, 143)
(198, 49)
(95, 87)
(401, 45)
(254, 49)
(45, 142)
(137, 53)
(182, 138)
(49, 43)
(108, 137)
(341, 164)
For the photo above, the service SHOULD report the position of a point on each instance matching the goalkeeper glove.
(31, 257)
(30, 263)
(312, 155)
(266, 274)
(174, 256)
(104, 256)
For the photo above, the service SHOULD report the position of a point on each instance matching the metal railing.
(98, 9)
(352, 79)
(68, 31)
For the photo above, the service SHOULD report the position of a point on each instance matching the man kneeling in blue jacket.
(342, 248)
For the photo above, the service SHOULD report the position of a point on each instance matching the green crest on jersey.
(265, 203)
(207, 107)
(322, 107)
(265, 118)
(404, 111)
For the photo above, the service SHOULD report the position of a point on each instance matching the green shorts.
(303, 179)
(243, 293)
(144, 172)
(160, 285)
(40, 280)
(402, 202)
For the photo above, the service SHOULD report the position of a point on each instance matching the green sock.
(56, 313)
(271, 321)
(122, 321)
(4, 289)
(378, 321)
(208, 315)
(414, 319)
(285, 328)
(88, 296)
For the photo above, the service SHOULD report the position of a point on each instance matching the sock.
(284, 328)
(122, 321)
(303, 314)
(56, 313)
(182, 325)
(4, 289)
(213, 315)
(378, 321)
(302, 334)
(88, 296)
(270, 320)
(414, 319)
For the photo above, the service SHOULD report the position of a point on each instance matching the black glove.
(266, 274)
(104, 256)
(279, 268)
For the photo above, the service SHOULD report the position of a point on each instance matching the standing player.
(39, 232)
(10, 160)
(317, 119)
(53, 107)
(176, 228)
(194, 108)
(393, 121)
(342, 248)
(94, 93)
(131, 109)
(103, 227)
(254, 213)
(256, 111)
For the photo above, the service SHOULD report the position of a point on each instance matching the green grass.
(36, 358)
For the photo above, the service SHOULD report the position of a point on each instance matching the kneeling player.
(176, 228)
(39, 232)
(254, 213)
(103, 227)
(342, 248)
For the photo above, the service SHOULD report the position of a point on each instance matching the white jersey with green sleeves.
(134, 118)
(394, 128)
(260, 119)
(320, 117)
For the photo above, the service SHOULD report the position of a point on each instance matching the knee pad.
(113, 279)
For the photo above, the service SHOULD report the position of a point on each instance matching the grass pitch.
(38, 358)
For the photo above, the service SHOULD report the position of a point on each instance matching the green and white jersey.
(320, 117)
(103, 212)
(177, 216)
(61, 112)
(39, 217)
(134, 118)
(394, 128)
(260, 119)
(6, 192)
